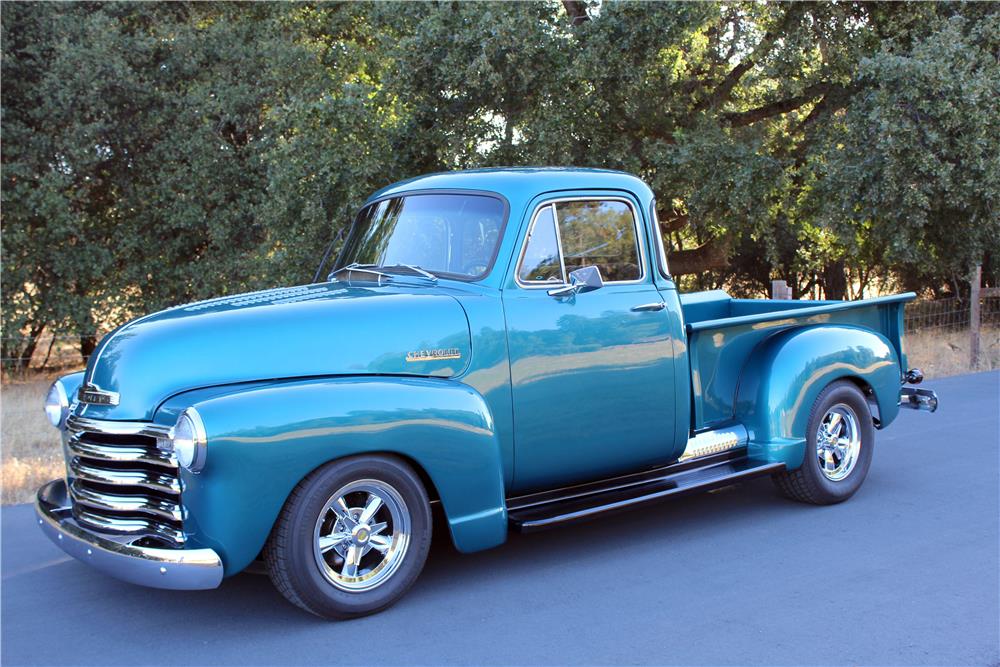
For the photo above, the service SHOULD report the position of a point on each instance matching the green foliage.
(158, 153)
(914, 180)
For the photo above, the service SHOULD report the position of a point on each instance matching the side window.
(541, 262)
(599, 233)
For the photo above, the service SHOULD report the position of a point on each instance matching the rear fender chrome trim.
(715, 441)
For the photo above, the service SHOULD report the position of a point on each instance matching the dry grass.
(941, 353)
(30, 453)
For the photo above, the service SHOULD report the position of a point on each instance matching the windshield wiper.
(384, 271)
(360, 268)
(412, 267)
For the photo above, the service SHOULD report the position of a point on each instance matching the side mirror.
(585, 279)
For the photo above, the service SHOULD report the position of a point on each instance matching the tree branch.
(671, 221)
(751, 116)
(725, 87)
(710, 256)
(577, 10)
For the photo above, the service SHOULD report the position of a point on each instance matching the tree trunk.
(18, 350)
(835, 281)
(710, 256)
(88, 338)
(88, 343)
(577, 10)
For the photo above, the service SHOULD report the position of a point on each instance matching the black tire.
(292, 557)
(809, 483)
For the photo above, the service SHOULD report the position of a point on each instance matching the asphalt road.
(904, 573)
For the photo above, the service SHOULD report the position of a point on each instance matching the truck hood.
(309, 331)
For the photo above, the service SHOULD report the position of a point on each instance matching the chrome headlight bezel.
(189, 441)
(56, 405)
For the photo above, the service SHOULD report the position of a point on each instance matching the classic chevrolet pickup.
(506, 343)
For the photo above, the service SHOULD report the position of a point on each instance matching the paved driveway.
(904, 573)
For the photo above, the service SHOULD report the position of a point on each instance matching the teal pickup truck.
(505, 344)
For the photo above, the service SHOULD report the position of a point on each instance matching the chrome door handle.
(659, 305)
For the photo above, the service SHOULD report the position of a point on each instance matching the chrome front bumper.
(180, 569)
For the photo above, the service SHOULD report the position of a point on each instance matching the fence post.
(974, 317)
(780, 290)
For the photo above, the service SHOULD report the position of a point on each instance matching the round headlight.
(189, 440)
(56, 404)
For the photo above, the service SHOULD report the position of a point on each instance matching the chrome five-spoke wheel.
(838, 442)
(362, 535)
(352, 536)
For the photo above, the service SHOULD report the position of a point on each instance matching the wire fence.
(61, 352)
(952, 314)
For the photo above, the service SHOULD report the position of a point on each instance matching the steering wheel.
(475, 267)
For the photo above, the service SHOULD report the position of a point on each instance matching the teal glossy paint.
(786, 375)
(316, 330)
(544, 391)
(263, 440)
(488, 371)
(575, 366)
(71, 385)
(723, 334)
(575, 363)
(681, 389)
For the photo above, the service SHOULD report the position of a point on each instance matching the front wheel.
(839, 444)
(352, 537)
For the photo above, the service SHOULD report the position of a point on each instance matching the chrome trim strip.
(715, 441)
(130, 526)
(144, 479)
(120, 453)
(640, 242)
(111, 502)
(179, 569)
(74, 423)
(559, 246)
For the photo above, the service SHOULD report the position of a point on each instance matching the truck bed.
(723, 332)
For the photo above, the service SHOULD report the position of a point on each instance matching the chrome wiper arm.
(360, 268)
(416, 269)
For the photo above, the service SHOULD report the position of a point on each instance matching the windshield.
(451, 234)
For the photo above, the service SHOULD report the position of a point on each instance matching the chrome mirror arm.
(584, 279)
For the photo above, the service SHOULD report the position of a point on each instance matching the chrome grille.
(121, 483)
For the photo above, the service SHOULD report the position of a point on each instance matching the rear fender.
(264, 440)
(787, 372)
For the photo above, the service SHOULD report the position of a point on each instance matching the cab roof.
(522, 183)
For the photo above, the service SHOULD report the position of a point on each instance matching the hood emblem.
(94, 395)
(434, 355)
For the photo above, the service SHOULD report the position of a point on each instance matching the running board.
(553, 508)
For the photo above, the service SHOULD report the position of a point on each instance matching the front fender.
(263, 440)
(787, 372)
(71, 385)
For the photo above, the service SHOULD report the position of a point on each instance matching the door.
(592, 372)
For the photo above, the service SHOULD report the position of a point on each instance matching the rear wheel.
(839, 446)
(352, 537)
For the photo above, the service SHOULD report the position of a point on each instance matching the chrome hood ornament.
(93, 395)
